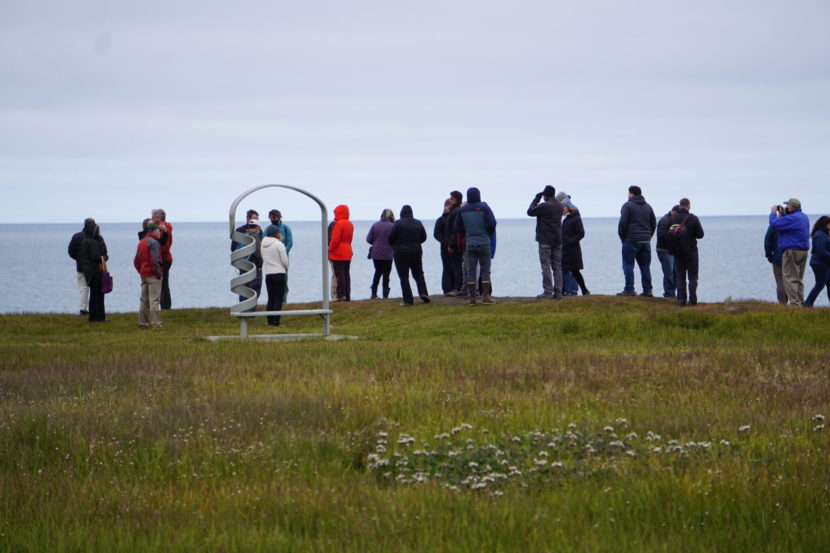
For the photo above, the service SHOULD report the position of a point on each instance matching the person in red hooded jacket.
(340, 251)
(160, 218)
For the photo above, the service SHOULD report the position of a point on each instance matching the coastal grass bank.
(592, 424)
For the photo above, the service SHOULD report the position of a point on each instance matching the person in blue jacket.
(820, 259)
(773, 255)
(476, 222)
(793, 228)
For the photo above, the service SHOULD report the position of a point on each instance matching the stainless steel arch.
(248, 269)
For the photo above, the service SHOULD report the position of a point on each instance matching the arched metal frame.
(248, 269)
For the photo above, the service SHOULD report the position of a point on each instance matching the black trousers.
(275, 286)
(165, 285)
(97, 312)
(686, 265)
(383, 268)
(404, 263)
(344, 281)
(456, 262)
(447, 271)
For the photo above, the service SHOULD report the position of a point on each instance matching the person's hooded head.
(473, 195)
(406, 212)
(91, 228)
(341, 212)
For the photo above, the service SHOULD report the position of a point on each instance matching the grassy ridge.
(117, 439)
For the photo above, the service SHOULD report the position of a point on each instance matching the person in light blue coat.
(820, 259)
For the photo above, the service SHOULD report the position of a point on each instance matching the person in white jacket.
(275, 269)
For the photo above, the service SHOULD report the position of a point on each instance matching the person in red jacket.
(160, 218)
(340, 251)
(147, 262)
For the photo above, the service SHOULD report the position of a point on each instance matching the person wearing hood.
(549, 237)
(252, 229)
(793, 228)
(89, 250)
(684, 249)
(406, 237)
(75, 252)
(275, 269)
(572, 233)
(635, 229)
(340, 251)
(476, 222)
(380, 252)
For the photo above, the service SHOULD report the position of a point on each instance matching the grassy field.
(591, 424)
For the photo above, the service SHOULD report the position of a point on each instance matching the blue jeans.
(822, 273)
(571, 286)
(478, 255)
(669, 277)
(641, 253)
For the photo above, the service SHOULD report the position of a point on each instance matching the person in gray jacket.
(636, 227)
(549, 237)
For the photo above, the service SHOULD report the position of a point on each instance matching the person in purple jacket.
(793, 228)
(381, 252)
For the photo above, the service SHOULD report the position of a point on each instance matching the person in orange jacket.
(340, 251)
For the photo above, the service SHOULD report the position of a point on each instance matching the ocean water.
(37, 275)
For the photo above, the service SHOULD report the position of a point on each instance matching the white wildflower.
(621, 422)
(609, 429)
(632, 436)
(818, 418)
(557, 465)
(724, 443)
(540, 462)
(631, 453)
(543, 454)
(465, 426)
(819, 427)
(744, 428)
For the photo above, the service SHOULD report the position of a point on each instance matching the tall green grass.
(117, 439)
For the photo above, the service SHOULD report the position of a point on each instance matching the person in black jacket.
(549, 236)
(252, 229)
(572, 233)
(74, 250)
(635, 229)
(686, 258)
(441, 233)
(92, 252)
(406, 237)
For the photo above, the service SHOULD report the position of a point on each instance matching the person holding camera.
(793, 228)
(549, 237)
(252, 229)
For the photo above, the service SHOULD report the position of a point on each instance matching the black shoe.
(681, 303)
(647, 295)
(626, 293)
(692, 302)
(586, 292)
(425, 298)
(544, 296)
(406, 304)
(84, 312)
(373, 297)
(556, 297)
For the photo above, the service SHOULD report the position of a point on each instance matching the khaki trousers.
(150, 306)
(793, 264)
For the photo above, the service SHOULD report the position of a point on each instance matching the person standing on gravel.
(635, 229)
(549, 238)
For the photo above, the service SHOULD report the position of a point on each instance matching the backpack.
(678, 238)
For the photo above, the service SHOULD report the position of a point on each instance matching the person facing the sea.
(406, 237)
(340, 251)
(159, 217)
(684, 249)
(252, 229)
(74, 250)
(773, 255)
(476, 222)
(275, 269)
(93, 252)
(793, 228)
(635, 229)
(820, 259)
(549, 238)
(380, 252)
(572, 234)
(666, 259)
(148, 264)
(439, 232)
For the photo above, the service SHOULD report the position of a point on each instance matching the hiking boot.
(471, 292)
(647, 295)
(544, 296)
(556, 297)
(425, 298)
(486, 290)
(451, 293)
(627, 293)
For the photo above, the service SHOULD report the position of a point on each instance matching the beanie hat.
(549, 191)
(272, 230)
(795, 203)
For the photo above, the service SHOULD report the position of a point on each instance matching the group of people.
(466, 234)
(787, 245)
(152, 262)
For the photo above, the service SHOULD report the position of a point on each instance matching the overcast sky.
(109, 109)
